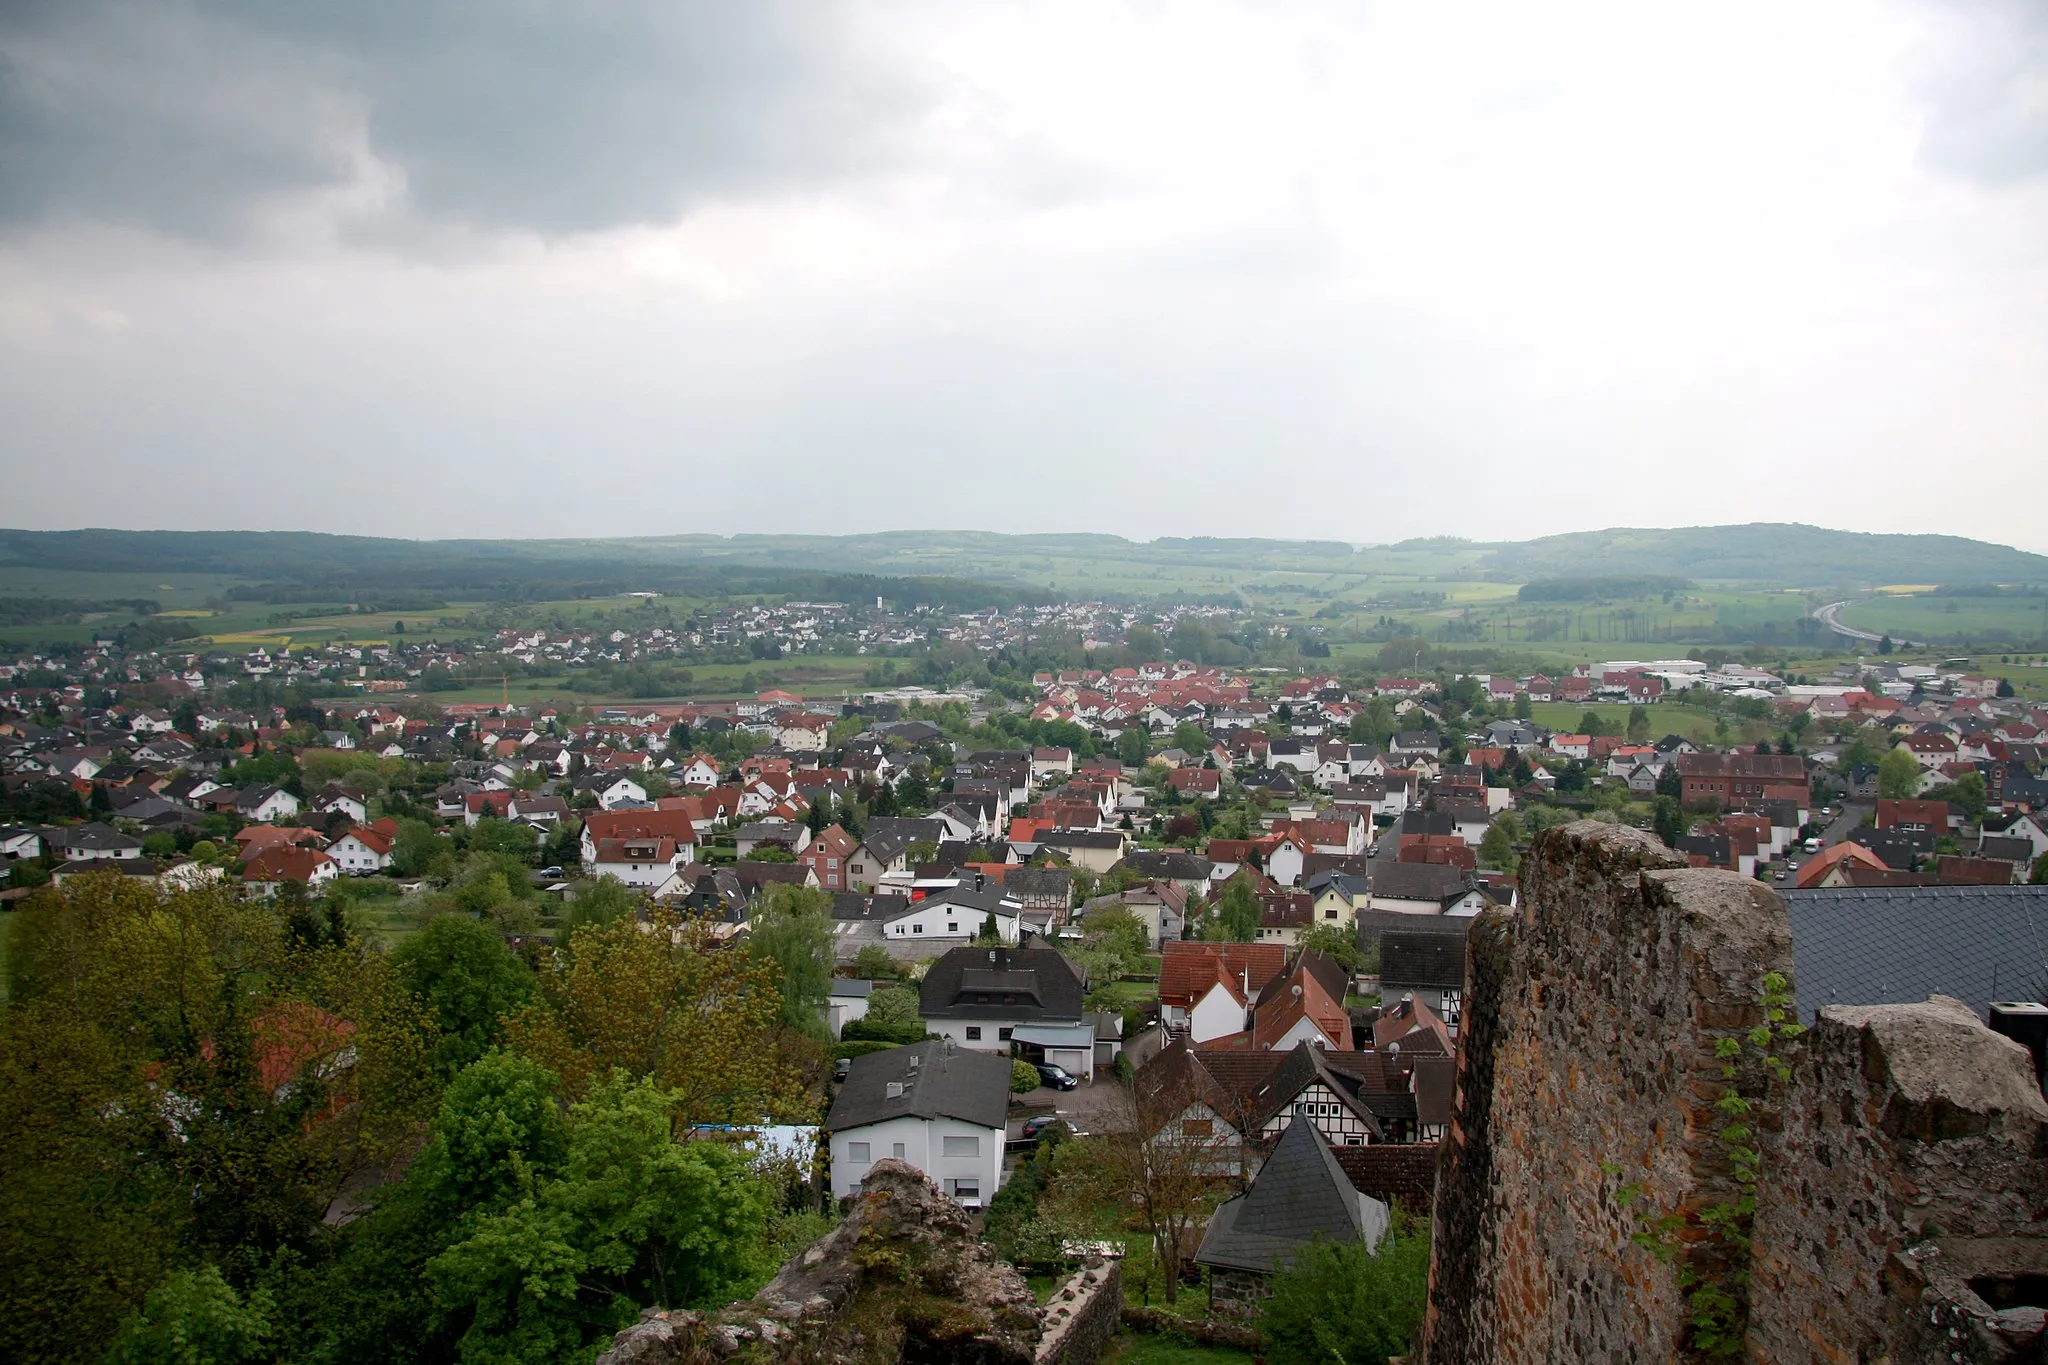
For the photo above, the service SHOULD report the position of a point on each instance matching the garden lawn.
(1134, 1349)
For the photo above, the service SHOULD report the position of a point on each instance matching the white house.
(263, 804)
(939, 1108)
(361, 851)
(347, 802)
(1029, 1000)
(701, 773)
(645, 861)
(847, 1002)
(955, 916)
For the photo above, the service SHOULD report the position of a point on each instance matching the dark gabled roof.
(1900, 944)
(1174, 863)
(1438, 822)
(95, 836)
(936, 1080)
(1301, 1194)
(1408, 958)
(1418, 881)
(1077, 838)
(1055, 984)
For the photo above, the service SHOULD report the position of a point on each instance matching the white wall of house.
(277, 806)
(948, 926)
(924, 1144)
(354, 856)
(1320, 1105)
(1216, 1015)
(647, 874)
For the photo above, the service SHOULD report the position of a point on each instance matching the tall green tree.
(1898, 775)
(1236, 916)
(792, 934)
(461, 970)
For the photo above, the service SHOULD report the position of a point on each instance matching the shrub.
(1023, 1077)
(1339, 1301)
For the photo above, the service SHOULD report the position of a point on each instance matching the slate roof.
(1054, 986)
(1411, 958)
(938, 1080)
(1403, 1172)
(1418, 881)
(1900, 944)
(1301, 1194)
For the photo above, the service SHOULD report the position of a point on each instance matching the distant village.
(1249, 893)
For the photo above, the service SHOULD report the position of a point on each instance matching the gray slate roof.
(938, 1080)
(1301, 1193)
(1900, 944)
(1408, 958)
(1042, 984)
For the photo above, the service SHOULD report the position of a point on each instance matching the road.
(1829, 616)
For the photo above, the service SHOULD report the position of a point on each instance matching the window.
(1003, 1035)
(917, 928)
(1454, 1005)
(960, 1146)
(896, 1150)
(952, 928)
(966, 1191)
(1197, 1128)
(857, 1152)
(974, 1033)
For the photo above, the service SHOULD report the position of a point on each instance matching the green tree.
(195, 1317)
(1236, 918)
(1189, 739)
(2039, 876)
(873, 963)
(1497, 849)
(792, 933)
(1524, 708)
(492, 835)
(1638, 724)
(1967, 793)
(1341, 1302)
(1023, 1077)
(461, 970)
(1669, 820)
(1590, 723)
(631, 1219)
(1898, 775)
(895, 1007)
(601, 902)
(1336, 941)
(1133, 746)
(416, 846)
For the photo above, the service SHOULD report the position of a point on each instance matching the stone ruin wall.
(1587, 1064)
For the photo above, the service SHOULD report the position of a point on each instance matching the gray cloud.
(1986, 91)
(191, 117)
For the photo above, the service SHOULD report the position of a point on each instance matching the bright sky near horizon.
(1335, 270)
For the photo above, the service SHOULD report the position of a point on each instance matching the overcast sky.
(1351, 271)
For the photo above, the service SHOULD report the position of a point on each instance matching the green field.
(1666, 718)
(1924, 616)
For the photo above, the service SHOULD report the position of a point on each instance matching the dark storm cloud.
(1987, 92)
(552, 117)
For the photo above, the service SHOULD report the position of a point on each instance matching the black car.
(841, 1067)
(1036, 1128)
(1059, 1078)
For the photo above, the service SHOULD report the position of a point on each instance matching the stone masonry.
(1904, 1175)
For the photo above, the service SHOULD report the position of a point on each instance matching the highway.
(1828, 616)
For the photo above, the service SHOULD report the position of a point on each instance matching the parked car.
(551, 872)
(841, 1067)
(1058, 1077)
(1036, 1128)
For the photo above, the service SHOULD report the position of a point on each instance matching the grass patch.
(1134, 1349)
(1121, 995)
